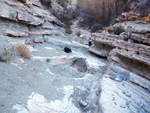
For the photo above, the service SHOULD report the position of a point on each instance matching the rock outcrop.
(27, 18)
(130, 49)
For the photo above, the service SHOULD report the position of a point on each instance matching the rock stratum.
(26, 18)
(130, 49)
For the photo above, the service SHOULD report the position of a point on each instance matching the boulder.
(80, 64)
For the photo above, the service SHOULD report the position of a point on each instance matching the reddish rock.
(15, 33)
(28, 19)
(38, 40)
(8, 13)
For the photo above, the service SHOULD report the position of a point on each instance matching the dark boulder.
(67, 50)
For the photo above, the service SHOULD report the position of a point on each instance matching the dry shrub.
(47, 3)
(23, 51)
(103, 10)
(7, 53)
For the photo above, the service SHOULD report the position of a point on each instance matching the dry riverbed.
(49, 83)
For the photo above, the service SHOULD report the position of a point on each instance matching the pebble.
(87, 108)
(128, 102)
(122, 106)
(48, 60)
(2, 104)
(113, 98)
(83, 103)
(128, 95)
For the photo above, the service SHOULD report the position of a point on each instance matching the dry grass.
(23, 51)
(103, 10)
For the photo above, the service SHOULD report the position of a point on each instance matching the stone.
(115, 76)
(48, 60)
(127, 102)
(15, 33)
(87, 108)
(128, 95)
(2, 104)
(28, 19)
(122, 106)
(131, 56)
(67, 50)
(8, 13)
(83, 103)
(60, 24)
(80, 64)
(90, 43)
(38, 40)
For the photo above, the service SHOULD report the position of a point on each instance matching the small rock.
(60, 24)
(38, 40)
(2, 104)
(128, 102)
(116, 77)
(87, 108)
(67, 50)
(90, 43)
(113, 98)
(122, 106)
(147, 90)
(48, 60)
(83, 103)
(128, 95)
(21, 60)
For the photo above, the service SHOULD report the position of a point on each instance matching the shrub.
(47, 3)
(68, 30)
(6, 54)
(103, 10)
(118, 30)
(78, 33)
(23, 51)
(96, 27)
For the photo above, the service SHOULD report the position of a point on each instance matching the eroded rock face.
(130, 49)
(19, 18)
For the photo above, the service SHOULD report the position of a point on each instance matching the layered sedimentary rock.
(130, 49)
(26, 18)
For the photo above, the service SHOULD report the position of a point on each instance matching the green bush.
(118, 30)
(96, 27)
